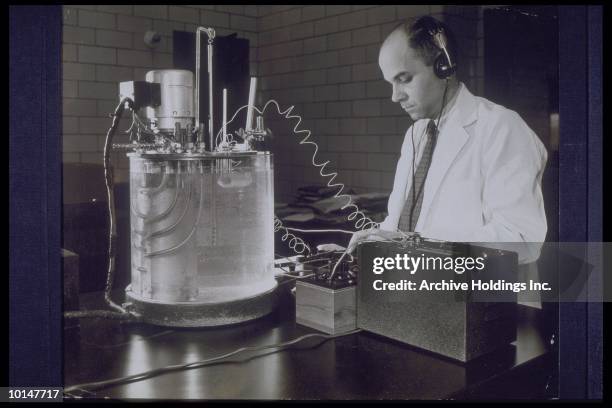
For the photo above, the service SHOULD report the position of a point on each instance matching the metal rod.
(224, 127)
(211, 35)
(197, 86)
(252, 89)
(210, 95)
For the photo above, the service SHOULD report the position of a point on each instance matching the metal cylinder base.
(188, 314)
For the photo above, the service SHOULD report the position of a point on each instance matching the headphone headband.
(444, 66)
(438, 37)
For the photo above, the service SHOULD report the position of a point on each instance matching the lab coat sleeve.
(513, 160)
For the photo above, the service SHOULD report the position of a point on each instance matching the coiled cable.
(295, 243)
(361, 221)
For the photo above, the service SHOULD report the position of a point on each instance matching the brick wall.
(104, 45)
(324, 61)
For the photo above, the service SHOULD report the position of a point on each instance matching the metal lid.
(195, 155)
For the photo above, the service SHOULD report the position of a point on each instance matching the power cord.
(93, 386)
(120, 312)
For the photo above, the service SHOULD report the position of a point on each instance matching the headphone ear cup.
(442, 68)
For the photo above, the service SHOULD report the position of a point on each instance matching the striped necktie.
(412, 207)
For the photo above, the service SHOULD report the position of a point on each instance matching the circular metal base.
(186, 314)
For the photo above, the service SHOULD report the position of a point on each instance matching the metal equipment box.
(461, 325)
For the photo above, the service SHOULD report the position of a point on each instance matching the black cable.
(197, 364)
(108, 178)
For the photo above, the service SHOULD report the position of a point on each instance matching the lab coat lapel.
(451, 139)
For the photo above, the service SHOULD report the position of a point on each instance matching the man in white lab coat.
(470, 170)
(479, 178)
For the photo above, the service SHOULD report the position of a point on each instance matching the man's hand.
(373, 234)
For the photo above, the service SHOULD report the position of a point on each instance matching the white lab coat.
(484, 183)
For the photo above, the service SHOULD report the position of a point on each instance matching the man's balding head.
(406, 58)
(416, 32)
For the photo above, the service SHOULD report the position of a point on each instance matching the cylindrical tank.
(176, 86)
(202, 236)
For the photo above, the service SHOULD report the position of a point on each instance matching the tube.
(224, 114)
(211, 35)
(210, 95)
(252, 89)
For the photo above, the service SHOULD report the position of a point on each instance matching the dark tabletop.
(357, 366)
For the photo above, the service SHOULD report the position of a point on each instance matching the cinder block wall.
(323, 60)
(104, 45)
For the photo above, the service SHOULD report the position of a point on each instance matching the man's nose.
(397, 95)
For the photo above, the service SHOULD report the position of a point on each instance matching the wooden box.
(329, 310)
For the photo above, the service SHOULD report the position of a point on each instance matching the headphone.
(443, 65)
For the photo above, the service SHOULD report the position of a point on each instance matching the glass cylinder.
(202, 226)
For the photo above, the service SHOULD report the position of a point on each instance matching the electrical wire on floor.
(93, 386)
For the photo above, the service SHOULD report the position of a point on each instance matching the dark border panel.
(580, 185)
(595, 195)
(35, 350)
